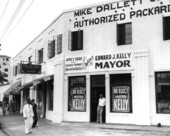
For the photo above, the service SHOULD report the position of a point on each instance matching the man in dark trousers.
(35, 113)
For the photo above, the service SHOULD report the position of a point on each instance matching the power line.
(4, 10)
(13, 17)
(20, 18)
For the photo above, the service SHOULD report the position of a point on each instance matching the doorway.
(97, 88)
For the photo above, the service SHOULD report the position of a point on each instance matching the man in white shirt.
(100, 107)
(28, 116)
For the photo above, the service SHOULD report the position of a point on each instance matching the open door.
(97, 88)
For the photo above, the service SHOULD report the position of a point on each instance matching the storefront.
(112, 75)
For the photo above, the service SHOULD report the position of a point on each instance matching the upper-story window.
(124, 34)
(7, 59)
(76, 40)
(30, 59)
(4, 63)
(166, 28)
(59, 43)
(6, 70)
(40, 56)
(14, 70)
(51, 49)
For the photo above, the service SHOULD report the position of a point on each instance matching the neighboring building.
(5, 68)
(5, 74)
(120, 49)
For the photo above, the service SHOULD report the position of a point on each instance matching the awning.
(35, 82)
(13, 87)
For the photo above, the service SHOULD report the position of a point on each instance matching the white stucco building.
(120, 49)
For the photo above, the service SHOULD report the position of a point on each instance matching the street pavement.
(13, 125)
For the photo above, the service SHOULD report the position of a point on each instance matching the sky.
(16, 33)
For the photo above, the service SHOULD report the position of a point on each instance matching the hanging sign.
(29, 69)
(116, 61)
(120, 99)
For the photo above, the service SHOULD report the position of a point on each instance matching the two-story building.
(120, 49)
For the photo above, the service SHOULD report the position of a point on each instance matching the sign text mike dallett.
(118, 11)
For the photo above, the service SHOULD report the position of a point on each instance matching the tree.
(2, 77)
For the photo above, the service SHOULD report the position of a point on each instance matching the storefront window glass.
(121, 93)
(77, 94)
(163, 92)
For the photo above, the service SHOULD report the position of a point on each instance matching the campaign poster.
(120, 99)
(77, 94)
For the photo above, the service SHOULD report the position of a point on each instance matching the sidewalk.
(14, 126)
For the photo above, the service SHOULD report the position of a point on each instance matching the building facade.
(119, 49)
(5, 74)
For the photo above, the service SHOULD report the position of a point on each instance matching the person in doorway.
(100, 107)
(28, 116)
(39, 111)
(35, 119)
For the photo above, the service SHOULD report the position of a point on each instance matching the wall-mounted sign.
(116, 61)
(120, 99)
(118, 11)
(29, 69)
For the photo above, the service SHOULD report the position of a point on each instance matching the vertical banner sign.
(120, 99)
(77, 94)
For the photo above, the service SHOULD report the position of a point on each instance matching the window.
(162, 92)
(4, 63)
(6, 70)
(40, 56)
(166, 28)
(59, 43)
(51, 49)
(5, 75)
(120, 93)
(51, 92)
(77, 94)
(30, 59)
(77, 40)
(7, 59)
(124, 34)
(14, 70)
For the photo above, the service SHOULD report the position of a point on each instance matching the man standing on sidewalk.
(28, 116)
(35, 113)
(100, 107)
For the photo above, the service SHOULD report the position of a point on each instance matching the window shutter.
(164, 29)
(117, 29)
(59, 43)
(36, 57)
(13, 70)
(56, 44)
(49, 49)
(69, 40)
(80, 39)
(53, 49)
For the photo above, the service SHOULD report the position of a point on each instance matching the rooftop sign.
(119, 11)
